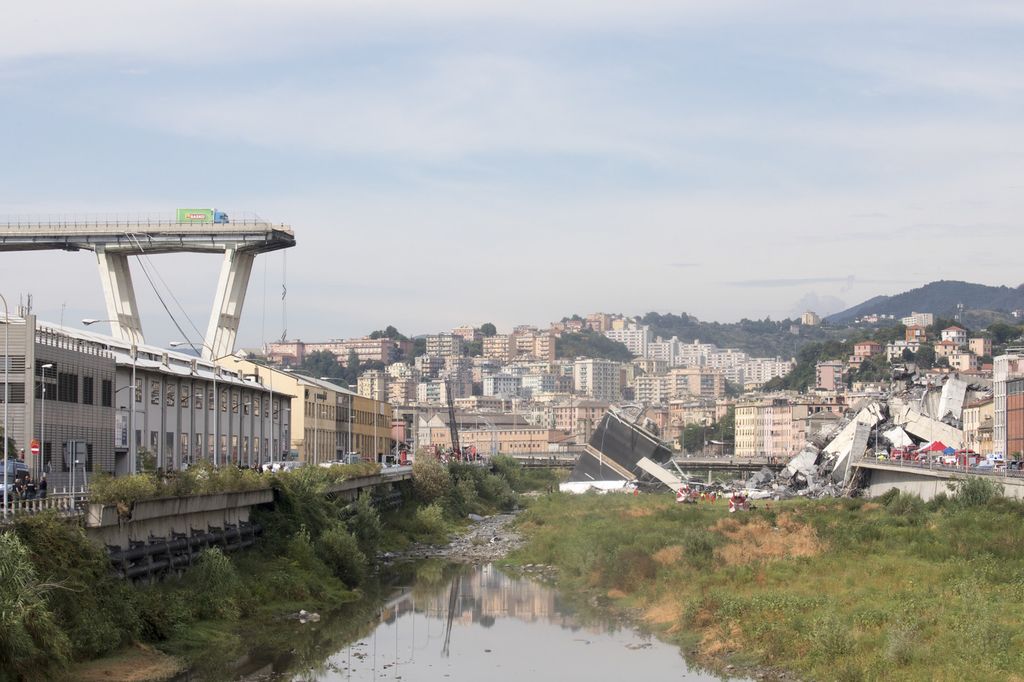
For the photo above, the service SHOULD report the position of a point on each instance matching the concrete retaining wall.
(163, 516)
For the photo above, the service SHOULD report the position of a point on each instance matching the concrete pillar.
(122, 310)
(227, 304)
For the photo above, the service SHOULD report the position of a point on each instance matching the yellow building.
(327, 419)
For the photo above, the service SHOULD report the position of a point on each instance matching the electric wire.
(169, 289)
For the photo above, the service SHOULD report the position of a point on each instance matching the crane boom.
(453, 428)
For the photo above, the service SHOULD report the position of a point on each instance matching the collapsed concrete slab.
(951, 400)
(928, 429)
(898, 438)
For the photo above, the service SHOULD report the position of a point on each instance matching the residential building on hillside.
(894, 349)
(980, 346)
(829, 375)
(810, 319)
(599, 322)
(499, 347)
(634, 337)
(651, 390)
(918, 320)
(955, 334)
(578, 417)
(944, 349)
(429, 366)
(373, 384)
(916, 333)
(445, 345)
(502, 385)
(598, 379)
(963, 361)
(468, 333)
(1006, 368)
(402, 392)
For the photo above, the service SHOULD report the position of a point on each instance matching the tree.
(590, 344)
(353, 361)
(389, 332)
(475, 349)
(925, 356)
(488, 329)
(323, 363)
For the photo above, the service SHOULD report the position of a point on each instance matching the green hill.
(941, 298)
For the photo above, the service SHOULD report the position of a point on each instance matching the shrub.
(339, 550)
(430, 523)
(430, 479)
(92, 607)
(365, 525)
(976, 491)
(32, 646)
(124, 491)
(215, 585)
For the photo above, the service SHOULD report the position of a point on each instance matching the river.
(438, 621)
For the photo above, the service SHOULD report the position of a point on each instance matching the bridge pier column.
(227, 303)
(122, 310)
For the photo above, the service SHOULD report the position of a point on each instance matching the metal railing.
(931, 465)
(64, 504)
(37, 227)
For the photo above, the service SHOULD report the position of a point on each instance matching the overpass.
(114, 240)
(746, 464)
(928, 480)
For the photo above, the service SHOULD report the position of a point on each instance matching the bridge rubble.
(918, 412)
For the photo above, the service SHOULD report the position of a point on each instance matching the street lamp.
(42, 417)
(7, 368)
(132, 464)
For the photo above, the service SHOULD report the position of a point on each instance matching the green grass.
(904, 591)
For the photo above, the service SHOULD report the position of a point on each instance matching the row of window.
(186, 397)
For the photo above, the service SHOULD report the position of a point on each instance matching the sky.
(465, 161)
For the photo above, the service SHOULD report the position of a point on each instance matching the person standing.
(30, 488)
(42, 487)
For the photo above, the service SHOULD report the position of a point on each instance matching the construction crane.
(453, 428)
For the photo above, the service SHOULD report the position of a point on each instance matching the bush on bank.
(203, 478)
(891, 588)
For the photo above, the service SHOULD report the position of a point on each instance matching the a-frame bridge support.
(113, 242)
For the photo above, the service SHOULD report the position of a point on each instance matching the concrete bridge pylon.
(114, 240)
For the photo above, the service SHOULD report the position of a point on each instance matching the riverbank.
(486, 539)
(827, 590)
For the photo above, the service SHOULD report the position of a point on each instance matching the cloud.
(821, 304)
(684, 265)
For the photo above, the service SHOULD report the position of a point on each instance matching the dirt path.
(484, 541)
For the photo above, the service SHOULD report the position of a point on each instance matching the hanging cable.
(284, 295)
(158, 296)
(168, 288)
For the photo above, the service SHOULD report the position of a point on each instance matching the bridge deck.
(148, 236)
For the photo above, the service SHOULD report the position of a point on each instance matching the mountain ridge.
(940, 298)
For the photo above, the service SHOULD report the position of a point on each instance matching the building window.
(154, 392)
(223, 401)
(170, 399)
(197, 398)
(16, 393)
(138, 390)
(87, 391)
(184, 394)
(106, 393)
(67, 387)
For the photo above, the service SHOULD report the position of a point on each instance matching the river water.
(436, 621)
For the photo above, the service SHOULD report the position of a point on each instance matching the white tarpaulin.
(600, 487)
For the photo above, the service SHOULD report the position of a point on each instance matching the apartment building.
(828, 375)
(445, 345)
(956, 335)
(598, 379)
(502, 385)
(634, 337)
(980, 347)
(373, 384)
(918, 320)
(499, 347)
(978, 419)
(1006, 368)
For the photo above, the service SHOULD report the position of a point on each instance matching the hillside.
(940, 298)
(760, 338)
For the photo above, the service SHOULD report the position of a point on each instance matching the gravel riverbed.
(489, 539)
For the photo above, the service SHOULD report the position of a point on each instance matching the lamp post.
(42, 417)
(134, 397)
(7, 383)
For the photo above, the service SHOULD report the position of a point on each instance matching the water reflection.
(445, 622)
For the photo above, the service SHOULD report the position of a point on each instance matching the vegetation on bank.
(202, 478)
(59, 602)
(845, 589)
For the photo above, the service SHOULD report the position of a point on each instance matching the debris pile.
(916, 422)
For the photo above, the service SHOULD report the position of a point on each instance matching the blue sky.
(459, 161)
